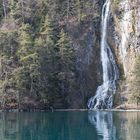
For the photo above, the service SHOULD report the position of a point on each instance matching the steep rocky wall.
(124, 38)
(86, 39)
(126, 32)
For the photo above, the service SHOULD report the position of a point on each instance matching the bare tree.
(4, 8)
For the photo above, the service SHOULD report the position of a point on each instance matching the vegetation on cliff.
(37, 51)
(135, 84)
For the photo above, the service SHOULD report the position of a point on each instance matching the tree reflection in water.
(91, 125)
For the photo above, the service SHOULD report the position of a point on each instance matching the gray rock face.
(86, 39)
(125, 34)
(124, 39)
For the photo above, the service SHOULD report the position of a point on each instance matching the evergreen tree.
(37, 58)
(26, 41)
(47, 53)
(66, 52)
(28, 73)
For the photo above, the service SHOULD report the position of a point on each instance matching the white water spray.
(104, 93)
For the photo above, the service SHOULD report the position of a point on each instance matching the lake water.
(86, 125)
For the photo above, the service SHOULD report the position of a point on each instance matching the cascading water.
(104, 93)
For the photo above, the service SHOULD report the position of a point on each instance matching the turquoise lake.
(77, 125)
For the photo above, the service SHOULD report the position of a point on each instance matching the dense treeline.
(37, 56)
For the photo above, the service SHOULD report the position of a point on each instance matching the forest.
(37, 55)
(50, 52)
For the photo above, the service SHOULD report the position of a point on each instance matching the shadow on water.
(91, 125)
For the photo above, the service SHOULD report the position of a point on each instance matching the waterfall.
(104, 94)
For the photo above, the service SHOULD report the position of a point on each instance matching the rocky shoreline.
(124, 107)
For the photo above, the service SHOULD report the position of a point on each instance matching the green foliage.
(116, 2)
(26, 42)
(65, 51)
(134, 22)
(8, 43)
(37, 58)
(135, 86)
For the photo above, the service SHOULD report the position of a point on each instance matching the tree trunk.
(4, 8)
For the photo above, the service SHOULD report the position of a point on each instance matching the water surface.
(92, 125)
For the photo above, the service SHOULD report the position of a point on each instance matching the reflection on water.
(46, 126)
(103, 122)
(92, 125)
(116, 125)
(127, 125)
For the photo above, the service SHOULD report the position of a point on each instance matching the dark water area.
(77, 125)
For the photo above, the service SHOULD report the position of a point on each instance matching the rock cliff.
(125, 41)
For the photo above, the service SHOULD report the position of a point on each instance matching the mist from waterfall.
(104, 94)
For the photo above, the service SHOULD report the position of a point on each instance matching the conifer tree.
(28, 73)
(66, 51)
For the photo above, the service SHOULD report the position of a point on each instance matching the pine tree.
(26, 41)
(23, 11)
(66, 51)
(47, 52)
(29, 61)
